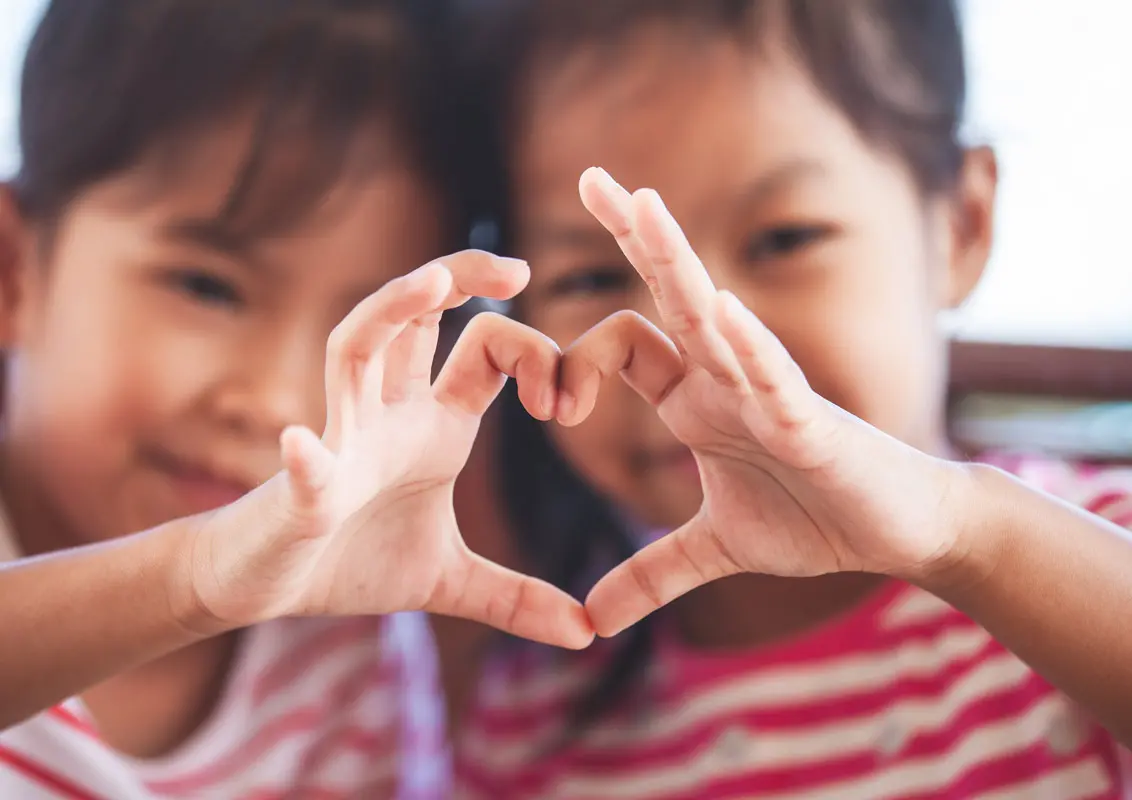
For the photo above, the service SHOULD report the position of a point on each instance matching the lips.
(197, 488)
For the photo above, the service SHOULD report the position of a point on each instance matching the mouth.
(197, 487)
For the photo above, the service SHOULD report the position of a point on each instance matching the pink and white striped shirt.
(903, 697)
(317, 709)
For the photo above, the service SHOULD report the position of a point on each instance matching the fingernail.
(607, 177)
(566, 406)
(652, 196)
(663, 215)
(512, 264)
(549, 396)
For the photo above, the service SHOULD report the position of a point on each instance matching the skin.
(152, 375)
(826, 238)
(794, 486)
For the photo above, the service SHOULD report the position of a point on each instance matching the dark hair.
(109, 83)
(895, 68)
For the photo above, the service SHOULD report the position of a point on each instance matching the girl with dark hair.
(207, 188)
(810, 150)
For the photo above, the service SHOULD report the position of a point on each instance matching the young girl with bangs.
(851, 611)
(207, 190)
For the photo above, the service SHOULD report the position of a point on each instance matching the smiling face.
(823, 235)
(154, 359)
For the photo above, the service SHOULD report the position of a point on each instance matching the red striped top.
(904, 697)
(314, 709)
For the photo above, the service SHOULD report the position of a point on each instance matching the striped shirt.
(903, 697)
(318, 709)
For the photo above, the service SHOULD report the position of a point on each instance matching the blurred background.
(1044, 351)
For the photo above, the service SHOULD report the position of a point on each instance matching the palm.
(367, 520)
(385, 573)
(786, 475)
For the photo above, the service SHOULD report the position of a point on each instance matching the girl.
(810, 150)
(206, 190)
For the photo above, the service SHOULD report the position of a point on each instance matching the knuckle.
(687, 322)
(644, 582)
(486, 323)
(626, 321)
(653, 283)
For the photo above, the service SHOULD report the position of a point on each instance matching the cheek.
(867, 341)
(116, 366)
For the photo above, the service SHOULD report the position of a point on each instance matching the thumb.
(309, 466)
(684, 560)
(480, 590)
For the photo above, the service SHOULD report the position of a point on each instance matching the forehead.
(678, 115)
(370, 207)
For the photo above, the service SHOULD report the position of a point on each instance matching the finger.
(483, 591)
(785, 397)
(612, 206)
(409, 359)
(626, 344)
(687, 295)
(687, 558)
(309, 466)
(368, 330)
(492, 348)
(476, 273)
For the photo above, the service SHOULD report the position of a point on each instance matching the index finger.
(691, 310)
(477, 273)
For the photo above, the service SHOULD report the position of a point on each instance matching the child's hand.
(361, 521)
(793, 485)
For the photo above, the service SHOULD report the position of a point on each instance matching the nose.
(276, 382)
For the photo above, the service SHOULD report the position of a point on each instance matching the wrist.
(181, 542)
(232, 565)
(975, 535)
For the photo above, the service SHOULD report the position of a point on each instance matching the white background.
(1050, 91)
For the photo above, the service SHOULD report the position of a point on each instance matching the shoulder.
(59, 753)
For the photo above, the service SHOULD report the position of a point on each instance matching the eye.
(785, 240)
(205, 288)
(592, 281)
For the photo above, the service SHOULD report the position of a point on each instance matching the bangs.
(321, 92)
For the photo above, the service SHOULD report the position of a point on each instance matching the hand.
(793, 486)
(361, 521)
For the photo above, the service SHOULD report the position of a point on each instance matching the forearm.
(74, 618)
(1053, 584)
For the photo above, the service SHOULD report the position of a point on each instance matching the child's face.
(824, 236)
(153, 366)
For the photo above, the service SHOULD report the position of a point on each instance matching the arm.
(75, 618)
(345, 529)
(1053, 584)
(796, 487)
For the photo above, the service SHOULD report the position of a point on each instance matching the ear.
(972, 223)
(15, 258)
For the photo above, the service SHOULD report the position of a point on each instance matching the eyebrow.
(792, 171)
(210, 234)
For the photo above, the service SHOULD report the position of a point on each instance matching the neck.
(763, 609)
